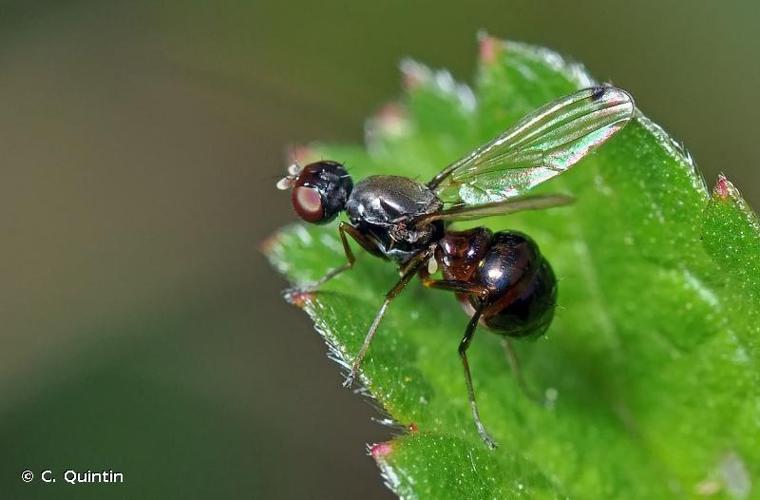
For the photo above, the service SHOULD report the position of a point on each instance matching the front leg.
(366, 243)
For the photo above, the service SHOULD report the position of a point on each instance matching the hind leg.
(408, 273)
(463, 346)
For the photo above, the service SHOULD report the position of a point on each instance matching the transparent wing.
(540, 146)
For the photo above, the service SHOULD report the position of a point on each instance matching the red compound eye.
(308, 203)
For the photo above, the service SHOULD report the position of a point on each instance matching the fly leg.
(407, 274)
(463, 345)
(362, 240)
(482, 293)
(456, 286)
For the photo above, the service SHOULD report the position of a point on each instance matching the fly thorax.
(417, 235)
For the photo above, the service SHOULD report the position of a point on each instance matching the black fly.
(502, 278)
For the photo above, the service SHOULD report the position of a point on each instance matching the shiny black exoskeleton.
(503, 279)
(519, 287)
(520, 284)
(320, 191)
(380, 207)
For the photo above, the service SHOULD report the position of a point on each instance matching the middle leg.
(408, 273)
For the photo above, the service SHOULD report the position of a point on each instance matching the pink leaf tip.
(391, 119)
(380, 451)
(299, 298)
(489, 48)
(268, 245)
(413, 75)
(723, 187)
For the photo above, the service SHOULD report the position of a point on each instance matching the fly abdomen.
(522, 288)
(519, 286)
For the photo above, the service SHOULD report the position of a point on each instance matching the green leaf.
(649, 372)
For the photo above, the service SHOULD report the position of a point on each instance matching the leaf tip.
(390, 120)
(489, 48)
(298, 298)
(722, 187)
(413, 74)
(725, 189)
(269, 244)
(380, 451)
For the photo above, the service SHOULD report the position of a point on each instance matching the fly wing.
(540, 146)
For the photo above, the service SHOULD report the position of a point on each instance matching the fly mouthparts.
(289, 180)
(285, 183)
(294, 169)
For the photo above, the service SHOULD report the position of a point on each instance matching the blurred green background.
(142, 331)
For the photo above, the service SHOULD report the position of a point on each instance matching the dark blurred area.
(142, 330)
